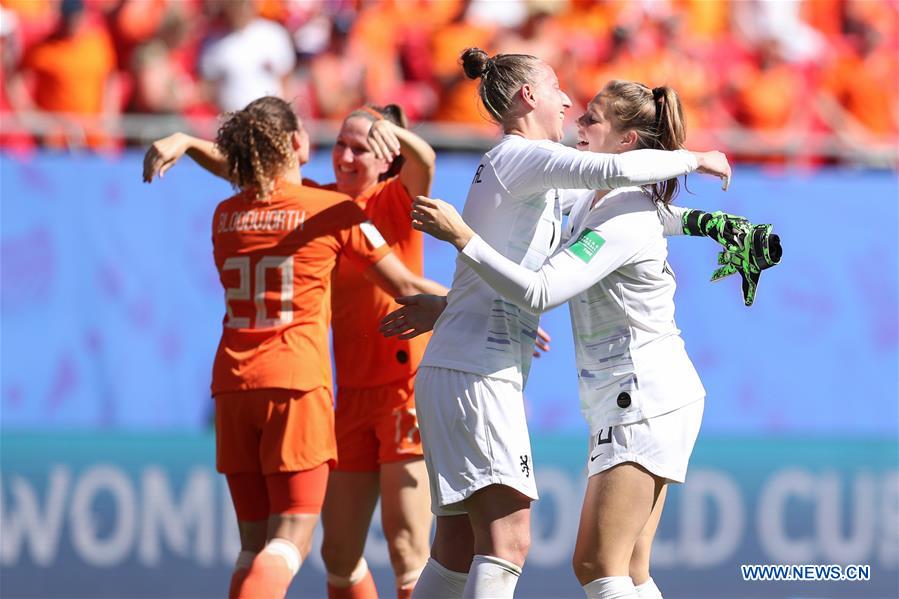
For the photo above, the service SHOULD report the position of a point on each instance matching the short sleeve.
(361, 241)
(365, 245)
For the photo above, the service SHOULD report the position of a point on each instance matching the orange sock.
(237, 578)
(241, 567)
(358, 585)
(271, 572)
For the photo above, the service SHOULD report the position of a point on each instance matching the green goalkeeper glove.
(748, 249)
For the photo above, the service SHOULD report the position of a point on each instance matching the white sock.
(437, 582)
(345, 582)
(648, 590)
(244, 559)
(286, 550)
(491, 577)
(611, 587)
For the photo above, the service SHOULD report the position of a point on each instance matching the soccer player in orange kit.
(383, 165)
(275, 244)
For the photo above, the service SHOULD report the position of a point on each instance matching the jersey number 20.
(242, 292)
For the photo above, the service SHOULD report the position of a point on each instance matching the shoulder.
(630, 199)
(380, 188)
(516, 159)
(235, 202)
(515, 144)
(629, 208)
(318, 193)
(340, 209)
(393, 187)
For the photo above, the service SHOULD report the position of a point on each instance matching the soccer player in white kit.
(639, 392)
(469, 386)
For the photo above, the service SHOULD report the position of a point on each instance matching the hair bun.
(475, 63)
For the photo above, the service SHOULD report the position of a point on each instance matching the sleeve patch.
(587, 245)
(372, 234)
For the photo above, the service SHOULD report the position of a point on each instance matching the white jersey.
(515, 205)
(631, 360)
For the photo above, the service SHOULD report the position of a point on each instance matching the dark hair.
(256, 143)
(396, 115)
(501, 77)
(656, 116)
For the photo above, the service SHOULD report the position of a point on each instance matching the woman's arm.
(387, 140)
(553, 165)
(418, 315)
(164, 153)
(391, 275)
(571, 270)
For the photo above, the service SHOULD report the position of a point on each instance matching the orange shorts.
(274, 430)
(376, 425)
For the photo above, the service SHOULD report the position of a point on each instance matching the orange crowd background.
(776, 69)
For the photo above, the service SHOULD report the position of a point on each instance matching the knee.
(588, 568)
(511, 545)
(337, 559)
(521, 546)
(584, 568)
(406, 552)
(408, 542)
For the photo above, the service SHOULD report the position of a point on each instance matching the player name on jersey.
(261, 220)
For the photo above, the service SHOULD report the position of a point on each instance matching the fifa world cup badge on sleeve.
(587, 245)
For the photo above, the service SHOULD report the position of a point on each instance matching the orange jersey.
(364, 357)
(275, 260)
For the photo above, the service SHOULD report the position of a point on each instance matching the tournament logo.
(587, 245)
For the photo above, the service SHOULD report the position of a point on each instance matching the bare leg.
(406, 517)
(253, 534)
(617, 505)
(501, 519)
(346, 516)
(453, 544)
(639, 564)
(501, 522)
(446, 572)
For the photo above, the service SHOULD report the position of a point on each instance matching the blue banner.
(111, 306)
(146, 515)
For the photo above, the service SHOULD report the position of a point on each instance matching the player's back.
(275, 260)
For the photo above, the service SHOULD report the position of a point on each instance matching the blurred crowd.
(777, 69)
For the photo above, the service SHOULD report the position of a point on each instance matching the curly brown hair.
(256, 143)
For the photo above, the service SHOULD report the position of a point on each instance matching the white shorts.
(474, 434)
(662, 444)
